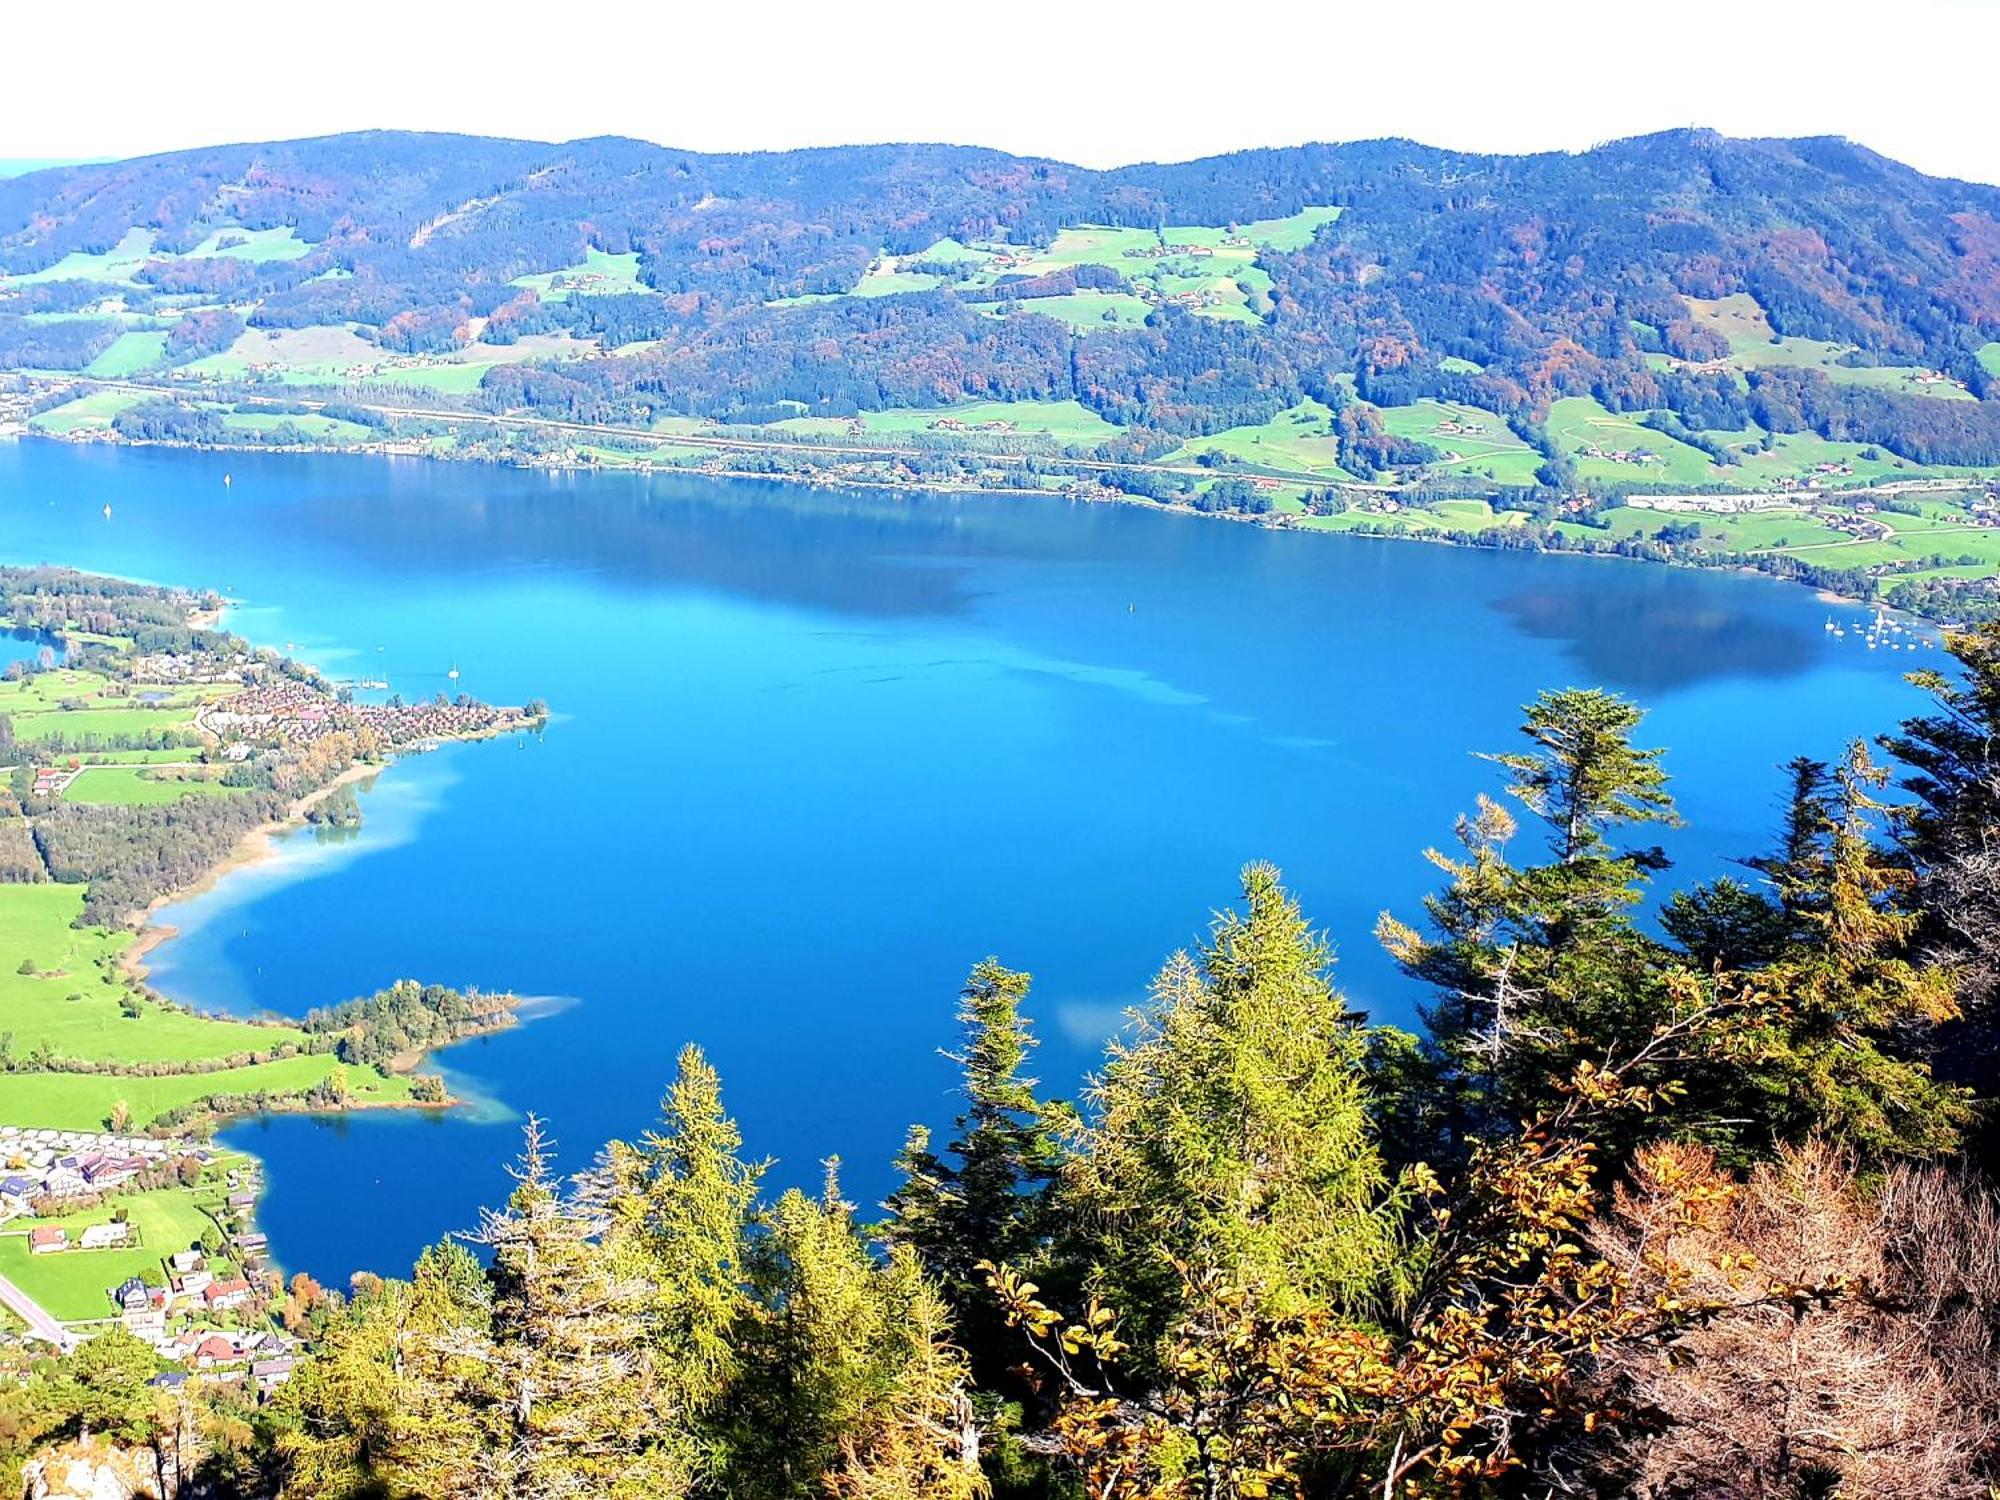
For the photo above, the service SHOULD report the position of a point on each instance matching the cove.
(815, 753)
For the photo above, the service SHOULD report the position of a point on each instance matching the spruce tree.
(987, 1196)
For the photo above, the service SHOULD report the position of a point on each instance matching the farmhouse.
(47, 1238)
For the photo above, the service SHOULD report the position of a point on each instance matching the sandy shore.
(260, 843)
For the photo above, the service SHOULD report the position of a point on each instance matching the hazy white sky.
(1098, 84)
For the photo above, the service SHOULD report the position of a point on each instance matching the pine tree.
(1231, 1134)
(678, 1208)
(987, 1197)
(566, 1398)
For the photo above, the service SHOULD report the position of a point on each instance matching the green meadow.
(1298, 440)
(75, 1283)
(126, 786)
(1578, 422)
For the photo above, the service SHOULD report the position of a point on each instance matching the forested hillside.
(1553, 275)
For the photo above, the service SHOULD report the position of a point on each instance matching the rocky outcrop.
(88, 1470)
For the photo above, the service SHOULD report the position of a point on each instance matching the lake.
(814, 754)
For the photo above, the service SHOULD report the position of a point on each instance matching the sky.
(1098, 84)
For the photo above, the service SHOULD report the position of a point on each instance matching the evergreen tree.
(1951, 832)
(678, 1210)
(850, 1382)
(987, 1198)
(1539, 967)
(1231, 1134)
(566, 1395)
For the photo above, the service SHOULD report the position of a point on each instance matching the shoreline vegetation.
(1456, 514)
(141, 731)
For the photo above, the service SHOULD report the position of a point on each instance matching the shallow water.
(815, 754)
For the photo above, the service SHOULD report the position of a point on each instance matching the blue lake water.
(814, 754)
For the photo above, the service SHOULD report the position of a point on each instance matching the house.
(132, 1294)
(231, 1293)
(170, 1380)
(272, 1373)
(104, 1236)
(46, 1238)
(193, 1283)
(242, 1200)
(147, 1323)
(214, 1350)
(184, 1261)
(250, 1244)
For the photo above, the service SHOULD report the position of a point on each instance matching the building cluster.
(37, 1164)
(300, 712)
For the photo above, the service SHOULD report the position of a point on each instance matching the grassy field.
(282, 243)
(118, 264)
(129, 354)
(87, 413)
(312, 425)
(71, 1003)
(123, 786)
(1298, 439)
(1063, 421)
(597, 275)
(1080, 310)
(77, 1283)
(1577, 422)
(1485, 446)
(1754, 343)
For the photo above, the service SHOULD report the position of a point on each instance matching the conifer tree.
(567, 1398)
(678, 1208)
(1231, 1133)
(850, 1380)
(987, 1197)
(1539, 967)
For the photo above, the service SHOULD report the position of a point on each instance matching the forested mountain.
(1504, 281)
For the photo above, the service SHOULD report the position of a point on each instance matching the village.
(74, 1201)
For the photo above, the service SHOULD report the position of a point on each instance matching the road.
(36, 1316)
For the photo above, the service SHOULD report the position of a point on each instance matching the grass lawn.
(123, 786)
(597, 275)
(446, 379)
(129, 354)
(309, 424)
(282, 243)
(35, 924)
(118, 264)
(105, 723)
(1080, 310)
(77, 1283)
(81, 1101)
(1484, 445)
(1989, 358)
(1067, 422)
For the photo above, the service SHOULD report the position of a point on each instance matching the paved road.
(36, 1316)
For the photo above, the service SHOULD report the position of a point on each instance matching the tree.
(678, 1212)
(1858, 1393)
(564, 1394)
(988, 1197)
(1951, 833)
(1537, 968)
(1231, 1134)
(850, 1383)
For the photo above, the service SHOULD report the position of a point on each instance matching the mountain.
(1646, 274)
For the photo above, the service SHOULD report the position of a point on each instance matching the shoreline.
(253, 848)
(830, 480)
